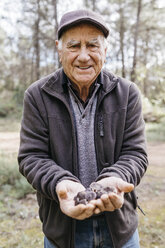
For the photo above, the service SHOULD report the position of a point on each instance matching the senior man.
(82, 124)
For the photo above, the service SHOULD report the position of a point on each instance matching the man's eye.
(74, 46)
(93, 47)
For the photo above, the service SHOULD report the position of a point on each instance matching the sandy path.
(9, 142)
(156, 153)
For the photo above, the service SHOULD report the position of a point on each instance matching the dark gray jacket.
(48, 149)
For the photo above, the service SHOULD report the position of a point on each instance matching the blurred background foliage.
(135, 46)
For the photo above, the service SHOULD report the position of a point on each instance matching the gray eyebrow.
(72, 43)
(95, 40)
(75, 42)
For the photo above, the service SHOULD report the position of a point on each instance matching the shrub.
(152, 111)
(8, 170)
(11, 181)
(5, 109)
(156, 131)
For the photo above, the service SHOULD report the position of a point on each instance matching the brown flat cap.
(73, 18)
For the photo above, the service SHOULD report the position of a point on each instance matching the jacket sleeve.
(34, 158)
(132, 158)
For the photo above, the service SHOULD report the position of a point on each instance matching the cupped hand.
(66, 191)
(112, 200)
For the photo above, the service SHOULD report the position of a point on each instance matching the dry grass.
(151, 199)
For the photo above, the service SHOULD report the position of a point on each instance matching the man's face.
(83, 53)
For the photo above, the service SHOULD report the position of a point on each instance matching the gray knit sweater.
(84, 122)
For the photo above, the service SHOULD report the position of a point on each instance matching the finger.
(93, 202)
(77, 211)
(100, 205)
(108, 204)
(116, 200)
(62, 194)
(105, 199)
(90, 210)
(62, 191)
(97, 211)
(125, 187)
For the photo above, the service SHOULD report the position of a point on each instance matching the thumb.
(62, 191)
(126, 187)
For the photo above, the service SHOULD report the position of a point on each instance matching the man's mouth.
(84, 67)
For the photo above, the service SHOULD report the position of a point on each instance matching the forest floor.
(20, 226)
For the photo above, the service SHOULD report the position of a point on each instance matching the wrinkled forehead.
(81, 31)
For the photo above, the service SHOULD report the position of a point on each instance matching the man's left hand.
(112, 201)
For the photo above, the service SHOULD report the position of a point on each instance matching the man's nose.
(83, 54)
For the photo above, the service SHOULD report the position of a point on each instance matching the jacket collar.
(57, 82)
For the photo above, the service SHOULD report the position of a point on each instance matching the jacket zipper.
(100, 122)
(101, 132)
(101, 125)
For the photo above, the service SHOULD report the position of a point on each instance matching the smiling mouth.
(84, 67)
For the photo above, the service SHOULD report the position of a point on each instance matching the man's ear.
(59, 50)
(56, 42)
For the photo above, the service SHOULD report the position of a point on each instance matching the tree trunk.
(93, 5)
(90, 4)
(146, 50)
(56, 58)
(122, 29)
(86, 3)
(133, 71)
(37, 41)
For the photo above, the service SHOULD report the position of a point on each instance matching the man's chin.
(85, 78)
(85, 81)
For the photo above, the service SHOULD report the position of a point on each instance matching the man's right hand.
(66, 191)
